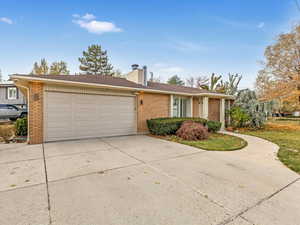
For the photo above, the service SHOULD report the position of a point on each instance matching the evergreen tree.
(175, 80)
(247, 102)
(95, 61)
(59, 68)
(40, 69)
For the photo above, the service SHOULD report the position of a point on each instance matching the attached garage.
(79, 115)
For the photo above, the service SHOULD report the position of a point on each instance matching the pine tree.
(175, 80)
(95, 61)
(59, 68)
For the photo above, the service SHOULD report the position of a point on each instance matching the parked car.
(11, 112)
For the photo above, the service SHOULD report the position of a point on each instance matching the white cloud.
(88, 17)
(76, 15)
(261, 25)
(98, 27)
(89, 23)
(6, 20)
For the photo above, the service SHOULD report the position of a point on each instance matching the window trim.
(180, 110)
(8, 93)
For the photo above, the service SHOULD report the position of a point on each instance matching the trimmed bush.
(192, 131)
(214, 126)
(169, 126)
(21, 126)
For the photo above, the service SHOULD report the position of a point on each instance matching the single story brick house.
(68, 107)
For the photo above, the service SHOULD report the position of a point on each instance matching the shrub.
(214, 126)
(192, 131)
(21, 126)
(169, 126)
(239, 118)
(6, 132)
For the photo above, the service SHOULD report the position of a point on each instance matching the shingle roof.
(175, 88)
(116, 81)
(93, 79)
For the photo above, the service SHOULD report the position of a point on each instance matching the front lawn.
(287, 139)
(215, 142)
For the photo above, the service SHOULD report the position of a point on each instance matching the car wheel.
(23, 115)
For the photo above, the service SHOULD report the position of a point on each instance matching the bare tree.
(190, 82)
(202, 82)
(229, 87)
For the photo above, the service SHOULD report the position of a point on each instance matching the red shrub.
(192, 131)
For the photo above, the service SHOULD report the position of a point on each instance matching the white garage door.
(75, 116)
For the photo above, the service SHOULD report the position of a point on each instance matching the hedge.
(169, 125)
(214, 126)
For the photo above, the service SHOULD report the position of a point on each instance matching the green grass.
(288, 141)
(215, 142)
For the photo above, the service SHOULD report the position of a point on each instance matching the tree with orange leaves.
(280, 77)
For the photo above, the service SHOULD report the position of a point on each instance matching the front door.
(214, 109)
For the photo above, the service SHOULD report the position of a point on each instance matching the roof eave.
(52, 81)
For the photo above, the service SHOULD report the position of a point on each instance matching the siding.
(151, 106)
(20, 101)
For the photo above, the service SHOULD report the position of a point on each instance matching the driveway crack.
(47, 185)
(258, 203)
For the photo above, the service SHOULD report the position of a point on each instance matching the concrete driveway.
(142, 180)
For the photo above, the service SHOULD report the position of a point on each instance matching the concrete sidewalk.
(143, 180)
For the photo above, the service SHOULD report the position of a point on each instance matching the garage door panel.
(74, 116)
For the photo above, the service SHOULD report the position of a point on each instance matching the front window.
(12, 93)
(180, 106)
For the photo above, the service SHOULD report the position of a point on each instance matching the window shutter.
(6, 93)
(17, 93)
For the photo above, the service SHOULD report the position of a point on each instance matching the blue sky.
(187, 38)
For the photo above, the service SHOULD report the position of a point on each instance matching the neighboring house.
(66, 107)
(10, 94)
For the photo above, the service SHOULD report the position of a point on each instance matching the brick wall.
(214, 109)
(35, 117)
(196, 107)
(151, 106)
